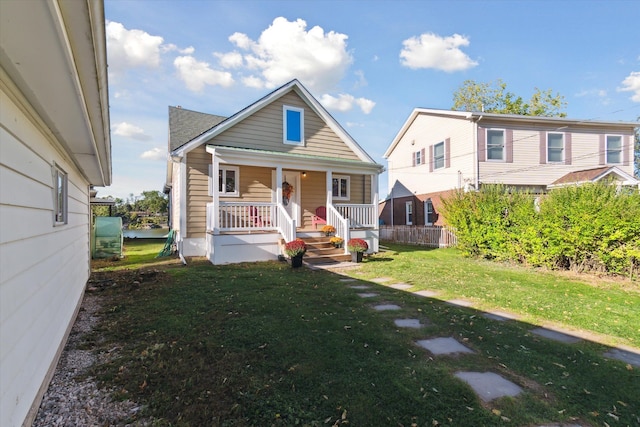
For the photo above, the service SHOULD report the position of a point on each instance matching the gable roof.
(477, 116)
(184, 125)
(593, 175)
(293, 85)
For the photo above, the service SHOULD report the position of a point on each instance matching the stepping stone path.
(408, 323)
(426, 293)
(555, 335)
(489, 386)
(386, 307)
(401, 286)
(440, 346)
(367, 295)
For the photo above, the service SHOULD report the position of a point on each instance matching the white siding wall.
(43, 269)
(527, 168)
(426, 131)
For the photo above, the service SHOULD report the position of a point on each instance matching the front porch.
(256, 231)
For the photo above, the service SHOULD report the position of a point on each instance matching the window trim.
(619, 151)
(285, 125)
(428, 211)
(224, 170)
(60, 196)
(339, 196)
(444, 155)
(562, 149)
(408, 213)
(504, 144)
(418, 157)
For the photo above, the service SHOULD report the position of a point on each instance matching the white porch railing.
(359, 216)
(242, 216)
(286, 225)
(340, 223)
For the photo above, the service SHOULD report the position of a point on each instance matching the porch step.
(321, 251)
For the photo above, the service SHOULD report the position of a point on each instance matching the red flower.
(295, 248)
(357, 245)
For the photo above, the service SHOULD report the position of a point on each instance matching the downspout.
(476, 161)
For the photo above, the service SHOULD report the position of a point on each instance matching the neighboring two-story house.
(438, 151)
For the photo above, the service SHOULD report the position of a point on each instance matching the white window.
(555, 147)
(408, 209)
(61, 196)
(340, 187)
(429, 213)
(495, 144)
(228, 180)
(438, 155)
(614, 149)
(419, 159)
(292, 125)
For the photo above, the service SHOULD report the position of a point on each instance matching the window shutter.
(543, 147)
(508, 146)
(601, 151)
(482, 146)
(431, 158)
(413, 158)
(447, 153)
(626, 143)
(422, 156)
(567, 148)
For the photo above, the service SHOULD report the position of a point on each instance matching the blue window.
(293, 125)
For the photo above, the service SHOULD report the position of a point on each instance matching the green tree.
(495, 98)
(153, 202)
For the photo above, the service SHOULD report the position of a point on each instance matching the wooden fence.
(432, 236)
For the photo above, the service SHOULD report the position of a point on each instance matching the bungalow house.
(438, 151)
(275, 171)
(54, 145)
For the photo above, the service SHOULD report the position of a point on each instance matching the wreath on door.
(287, 191)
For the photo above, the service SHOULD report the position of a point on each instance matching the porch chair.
(256, 219)
(320, 217)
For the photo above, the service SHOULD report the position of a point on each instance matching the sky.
(369, 63)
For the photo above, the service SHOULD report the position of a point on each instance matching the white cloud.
(632, 84)
(155, 154)
(286, 50)
(229, 60)
(131, 48)
(130, 131)
(432, 51)
(196, 74)
(345, 102)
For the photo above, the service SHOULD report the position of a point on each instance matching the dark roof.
(184, 125)
(582, 176)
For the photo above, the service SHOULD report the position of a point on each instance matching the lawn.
(262, 344)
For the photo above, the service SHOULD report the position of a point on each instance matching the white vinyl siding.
(43, 269)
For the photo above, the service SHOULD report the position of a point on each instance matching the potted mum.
(357, 247)
(336, 241)
(328, 230)
(295, 250)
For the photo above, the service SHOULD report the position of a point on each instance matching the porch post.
(215, 190)
(329, 188)
(375, 199)
(278, 185)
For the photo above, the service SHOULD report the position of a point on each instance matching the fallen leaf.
(496, 412)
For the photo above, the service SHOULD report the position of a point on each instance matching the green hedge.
(592, 227)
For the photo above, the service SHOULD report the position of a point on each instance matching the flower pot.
(356, 256)
(296, 261)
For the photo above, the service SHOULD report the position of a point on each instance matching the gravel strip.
(75, 400)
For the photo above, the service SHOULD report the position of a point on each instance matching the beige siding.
(263, 131)
(426, 131)
(43, 268)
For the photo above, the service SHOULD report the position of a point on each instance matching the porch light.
(304, 174)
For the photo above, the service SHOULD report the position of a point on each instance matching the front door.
(291, 194)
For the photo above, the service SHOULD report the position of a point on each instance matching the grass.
(261, 344)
